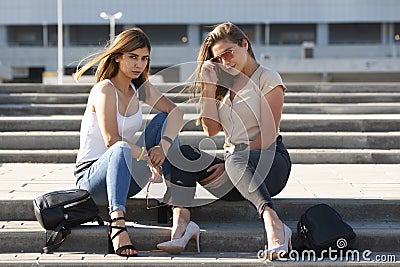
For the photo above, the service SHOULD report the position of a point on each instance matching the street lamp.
(394, 46)
(112, 19)
(60, 64)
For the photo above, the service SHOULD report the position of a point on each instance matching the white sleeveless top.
(91, 141)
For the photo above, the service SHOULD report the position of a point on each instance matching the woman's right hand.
(208, 73)
(156, 156)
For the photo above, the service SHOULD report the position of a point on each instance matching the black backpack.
(59, 211)
(321, 227)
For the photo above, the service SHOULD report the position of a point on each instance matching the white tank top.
(91, 141)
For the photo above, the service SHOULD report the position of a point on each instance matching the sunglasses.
(227, 55)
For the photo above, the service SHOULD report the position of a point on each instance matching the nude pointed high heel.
(176, 246)
(282, 250)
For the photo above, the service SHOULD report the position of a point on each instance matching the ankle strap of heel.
(117, 219)
(120, 228)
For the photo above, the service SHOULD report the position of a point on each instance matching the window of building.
(25, 35)
(72, 70)
(249, 30)
(204, 30)
(397, 32)
(291, 34)
(27, 75)
(91, 35)
(166, 34)
(355, 33)
(262, 34)
(52, 35)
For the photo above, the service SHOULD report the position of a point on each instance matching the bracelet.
(168, 139)
(141, 154)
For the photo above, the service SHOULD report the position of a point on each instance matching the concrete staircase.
(322, 124)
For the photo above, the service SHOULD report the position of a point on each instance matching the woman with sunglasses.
(109, 164)
(245, 100)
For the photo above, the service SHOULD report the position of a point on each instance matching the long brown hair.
(126, 41)
(225, 31)
(228, 31)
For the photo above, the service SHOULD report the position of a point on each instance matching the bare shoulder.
(103, 88)
(101, 91)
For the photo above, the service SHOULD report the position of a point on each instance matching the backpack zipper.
(65, 191)
(76, 202)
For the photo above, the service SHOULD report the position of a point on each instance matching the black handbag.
(321, 227)
(59, 211)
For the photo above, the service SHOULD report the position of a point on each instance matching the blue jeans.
(115, 176)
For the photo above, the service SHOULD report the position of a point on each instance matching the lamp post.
(60, 67)
(112, 19)
(396, 40)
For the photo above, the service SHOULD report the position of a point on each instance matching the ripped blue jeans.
(115, 176)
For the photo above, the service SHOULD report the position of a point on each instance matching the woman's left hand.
(156, 176)
(156, 156)
(217, 177)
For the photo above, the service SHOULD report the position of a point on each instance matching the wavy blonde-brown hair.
(225, 31)
(125, 42)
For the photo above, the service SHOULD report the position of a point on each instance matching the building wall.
(285, 31)
(199, 12)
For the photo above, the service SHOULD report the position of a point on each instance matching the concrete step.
(44, 88)
(289, 209)
(340, 140)
(290, 97)
(352, 108)
(41, 109)
(338, 98)
(289, 123)
(187, 259)
(74, 88)
(343, 87)
(288, 108)
(214, 237)
(306, 140)
(301, 156)
(43, 98)
(375, 220)
(344, 97)
(360, 192)
(178, 87)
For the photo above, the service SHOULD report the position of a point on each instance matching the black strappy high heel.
(110, 239)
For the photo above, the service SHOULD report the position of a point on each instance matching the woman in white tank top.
(110, 164)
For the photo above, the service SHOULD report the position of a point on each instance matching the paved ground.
(185, 259)
(358, 181)
(19, 181)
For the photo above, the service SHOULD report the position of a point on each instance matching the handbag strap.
(50, 243)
